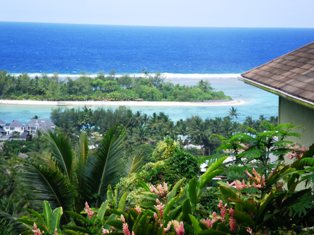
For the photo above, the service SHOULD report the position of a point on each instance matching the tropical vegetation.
(103, 87)
(102, 177)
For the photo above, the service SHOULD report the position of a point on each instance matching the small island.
(103, 88)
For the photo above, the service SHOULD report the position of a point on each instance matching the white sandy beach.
(166, 76)
(124, 103)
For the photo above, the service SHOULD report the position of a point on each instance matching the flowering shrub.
(252, 204)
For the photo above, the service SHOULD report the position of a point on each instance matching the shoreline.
(164, 75)
(124, 103)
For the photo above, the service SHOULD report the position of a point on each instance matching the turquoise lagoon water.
(257, 102)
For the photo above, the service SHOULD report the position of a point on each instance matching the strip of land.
(124, 103)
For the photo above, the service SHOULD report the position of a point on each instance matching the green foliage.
(48, 221)
(164, 149)
(103, 169)
(151, 88)
(180, 165)
(67, 180)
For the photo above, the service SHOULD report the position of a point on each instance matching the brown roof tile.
(291, 74)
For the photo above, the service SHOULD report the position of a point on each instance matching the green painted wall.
(301, 116)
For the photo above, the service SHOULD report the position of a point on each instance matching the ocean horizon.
(182, 55)
(76, 49)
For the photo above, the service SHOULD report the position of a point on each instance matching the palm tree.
(233, 112)
(67, 179)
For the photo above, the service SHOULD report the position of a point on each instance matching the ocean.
(186, 54)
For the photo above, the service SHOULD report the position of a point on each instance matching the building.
(18, 131)
(291, 77)
(15, 127)
(35, 125)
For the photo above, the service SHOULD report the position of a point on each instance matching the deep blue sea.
(75, 49)
(61, 48)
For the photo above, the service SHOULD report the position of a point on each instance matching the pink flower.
(248, 174)
(178, 227)
(88, 210)
(138, 210)
(258, 180)
(105, 231)
(166, 229)
(249, 230)
(231, 212)
(207, 222)
(36, 230)
(160, 208)
(160, 190)
(232, 224)
(125, 229)
(125, 226)
(223, 209)
(214, 217)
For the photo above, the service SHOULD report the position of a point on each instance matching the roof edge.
(281, 93)
(276, 58)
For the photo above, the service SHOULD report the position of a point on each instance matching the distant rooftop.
(290, 75)
(16, 123)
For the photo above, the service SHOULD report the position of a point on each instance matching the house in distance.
(16, 130)
(291, 77)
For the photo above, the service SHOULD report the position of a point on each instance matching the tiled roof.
(16, 123)
(289, 75)
(44, 124)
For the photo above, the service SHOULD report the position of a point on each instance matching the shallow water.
(257, 102)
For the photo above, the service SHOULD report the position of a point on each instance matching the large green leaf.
(47, 183)
(62, 152)
(83, 149)
(195, 223)
(193, 191)
(174, 189)
(211, 172)
(47, 212)
(104, 169)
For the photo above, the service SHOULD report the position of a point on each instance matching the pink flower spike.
(231, 212)
(207, 222)
(138, 209)
(125, 229)
(248, 174)
(178, 227)
(122, 218)
(105, 231)
(232, 224)
(166, 229)
(214, 217)
(36, 230)
(88, 210)
(220, 204)
(249, 230)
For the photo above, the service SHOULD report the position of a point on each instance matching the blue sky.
(212, 13)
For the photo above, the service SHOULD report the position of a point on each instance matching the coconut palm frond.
(136, 162)
(47, 183)
(104, 169)
(62, 152)
(9, 224)
(83, 148)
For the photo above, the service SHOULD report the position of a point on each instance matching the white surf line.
(124, 103)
